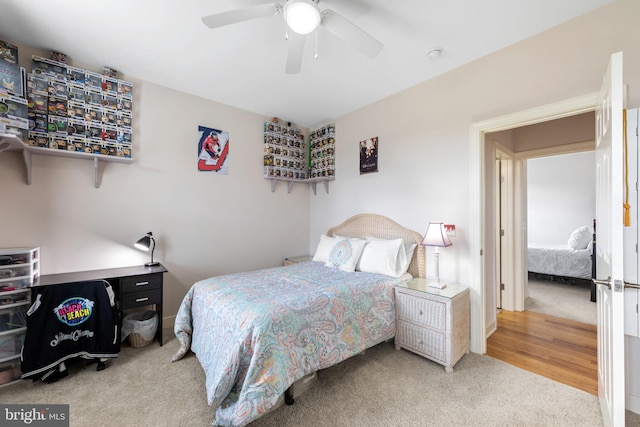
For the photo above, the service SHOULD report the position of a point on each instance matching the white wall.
(561, 196)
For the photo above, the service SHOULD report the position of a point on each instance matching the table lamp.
(144, 244)
(436, 236)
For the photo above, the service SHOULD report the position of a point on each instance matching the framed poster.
(213, 150)
(369, 155)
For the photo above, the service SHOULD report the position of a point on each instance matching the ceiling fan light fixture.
(302, 16)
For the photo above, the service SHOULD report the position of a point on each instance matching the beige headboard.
(372, 225)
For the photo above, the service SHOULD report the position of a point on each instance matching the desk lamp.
(144, 244)
(436, 236)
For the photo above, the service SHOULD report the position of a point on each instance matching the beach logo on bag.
(74, 311)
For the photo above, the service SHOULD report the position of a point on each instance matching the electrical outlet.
(450, 229)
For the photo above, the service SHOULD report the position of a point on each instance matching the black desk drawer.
(142, 298)
(141, 283)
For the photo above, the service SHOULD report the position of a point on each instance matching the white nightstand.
(432, 322)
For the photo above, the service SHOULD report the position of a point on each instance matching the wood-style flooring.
(560, 349)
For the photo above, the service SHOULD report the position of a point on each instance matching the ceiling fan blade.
(351, 33)
(239, 15)
(351, 8)
(294, 53)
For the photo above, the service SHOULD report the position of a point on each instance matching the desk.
(134, 287)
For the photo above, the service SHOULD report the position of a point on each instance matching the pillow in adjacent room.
(324, 248)
(345, 254)
(382, 256)
(580, 238)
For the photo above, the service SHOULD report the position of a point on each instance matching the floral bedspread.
(256, 333)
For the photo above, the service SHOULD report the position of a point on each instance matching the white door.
(609, 245)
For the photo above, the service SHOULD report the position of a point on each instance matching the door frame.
(479, 263)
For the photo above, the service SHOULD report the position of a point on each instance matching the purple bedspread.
(256, 333)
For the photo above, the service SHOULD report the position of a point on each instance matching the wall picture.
(213, 150)
(369, 155)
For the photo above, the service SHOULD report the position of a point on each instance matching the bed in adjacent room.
(563, 262)
(256, 333)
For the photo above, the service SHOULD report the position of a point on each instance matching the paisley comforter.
(256, 333)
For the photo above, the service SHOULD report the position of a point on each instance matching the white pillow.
(382, 256)
(580, 238)
(345, 254)
(324, 247)
(404, 255)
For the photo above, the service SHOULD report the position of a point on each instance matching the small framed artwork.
(369, 155)
(213, 150)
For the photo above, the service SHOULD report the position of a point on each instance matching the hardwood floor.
(560, 349)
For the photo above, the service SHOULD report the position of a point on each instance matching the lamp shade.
(436, 235)
(145, 243)
(302, 16)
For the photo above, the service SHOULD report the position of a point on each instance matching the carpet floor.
(568, 301)
(381, 387)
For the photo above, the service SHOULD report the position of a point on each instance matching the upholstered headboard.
(372, 225)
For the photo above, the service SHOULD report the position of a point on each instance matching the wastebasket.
(140, 327)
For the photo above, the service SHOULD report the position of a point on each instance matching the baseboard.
(168, 322)
(633, 403)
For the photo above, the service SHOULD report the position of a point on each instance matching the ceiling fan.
(301, 18)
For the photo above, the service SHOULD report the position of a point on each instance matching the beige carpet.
(383, 387)
(562, 300)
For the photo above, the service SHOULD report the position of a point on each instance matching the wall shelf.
(290, 182)
(13, 143)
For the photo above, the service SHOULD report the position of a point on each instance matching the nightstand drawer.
(141, 283)
(142, 298)
(421, 340)
(421, 311)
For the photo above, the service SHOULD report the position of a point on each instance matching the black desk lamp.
(144, 244)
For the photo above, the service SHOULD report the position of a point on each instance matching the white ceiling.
(165, 42)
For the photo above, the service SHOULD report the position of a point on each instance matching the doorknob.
(617, 286)
(606, 283)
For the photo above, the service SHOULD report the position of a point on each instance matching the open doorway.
(557, 156)
(540, 167)
(560, 212)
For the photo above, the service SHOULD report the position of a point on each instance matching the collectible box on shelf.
(38, 139)
(57, 124)
(93, 97)
(49, 68)
(10, 75)
(76, 94)
(75, 76)
(109, 85)
(57, 106)
(58, 89)
(125, 89)
(13, 114)
(37, 84)
(93, 80)
(14, 107)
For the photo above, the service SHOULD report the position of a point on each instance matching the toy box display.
(284, 152)
(286, 156)
(73, 109)
(322, 152)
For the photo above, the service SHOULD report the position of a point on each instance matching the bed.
(564, 262)
(256, 333)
